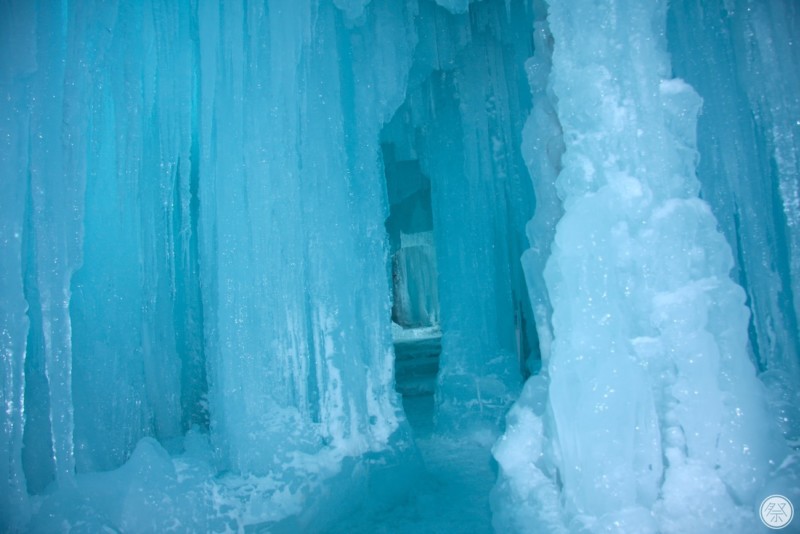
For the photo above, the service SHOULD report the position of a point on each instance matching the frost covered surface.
(648, 416)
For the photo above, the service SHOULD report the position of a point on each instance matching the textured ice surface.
(648, 415)
(194, 236)
(740, 56)
(222, 222)
(455, 6)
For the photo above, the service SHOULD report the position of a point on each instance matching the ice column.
(742, 58)
(542, 147)
(655, 417)
(138, 130)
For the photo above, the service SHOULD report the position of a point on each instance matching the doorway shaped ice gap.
(416, 332)
(459, 197)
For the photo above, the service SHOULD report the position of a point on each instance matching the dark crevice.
(415, 294)
(37, 439)
(745, 283)
(188, 307)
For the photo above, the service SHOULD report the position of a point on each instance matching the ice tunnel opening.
(416, 333)
(461, 317)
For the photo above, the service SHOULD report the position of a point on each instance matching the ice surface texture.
(195, 299)
(194, 193)
(648, 416)
(195, 259)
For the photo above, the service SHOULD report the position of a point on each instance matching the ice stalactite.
(14, 161)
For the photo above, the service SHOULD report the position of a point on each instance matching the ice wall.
(195, 271)
(649, 416)
(292, 239)
(13, 320)
(192, 232)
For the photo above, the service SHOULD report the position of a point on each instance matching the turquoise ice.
(398, 265)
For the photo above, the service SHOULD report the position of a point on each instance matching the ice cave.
(400, 266)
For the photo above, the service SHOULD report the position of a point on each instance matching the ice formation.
(295, 266)
(648, 416)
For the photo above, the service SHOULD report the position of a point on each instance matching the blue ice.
(399, 265)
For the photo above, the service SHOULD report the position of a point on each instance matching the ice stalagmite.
(743, 59)
(655, 419)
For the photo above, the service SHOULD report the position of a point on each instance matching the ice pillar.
(650, 385)
(741, 59)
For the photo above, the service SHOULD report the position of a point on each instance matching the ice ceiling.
(398, 265)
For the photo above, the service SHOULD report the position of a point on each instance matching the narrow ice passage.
(450, 491)
(332, 266)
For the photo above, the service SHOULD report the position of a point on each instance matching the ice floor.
(452, 493)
